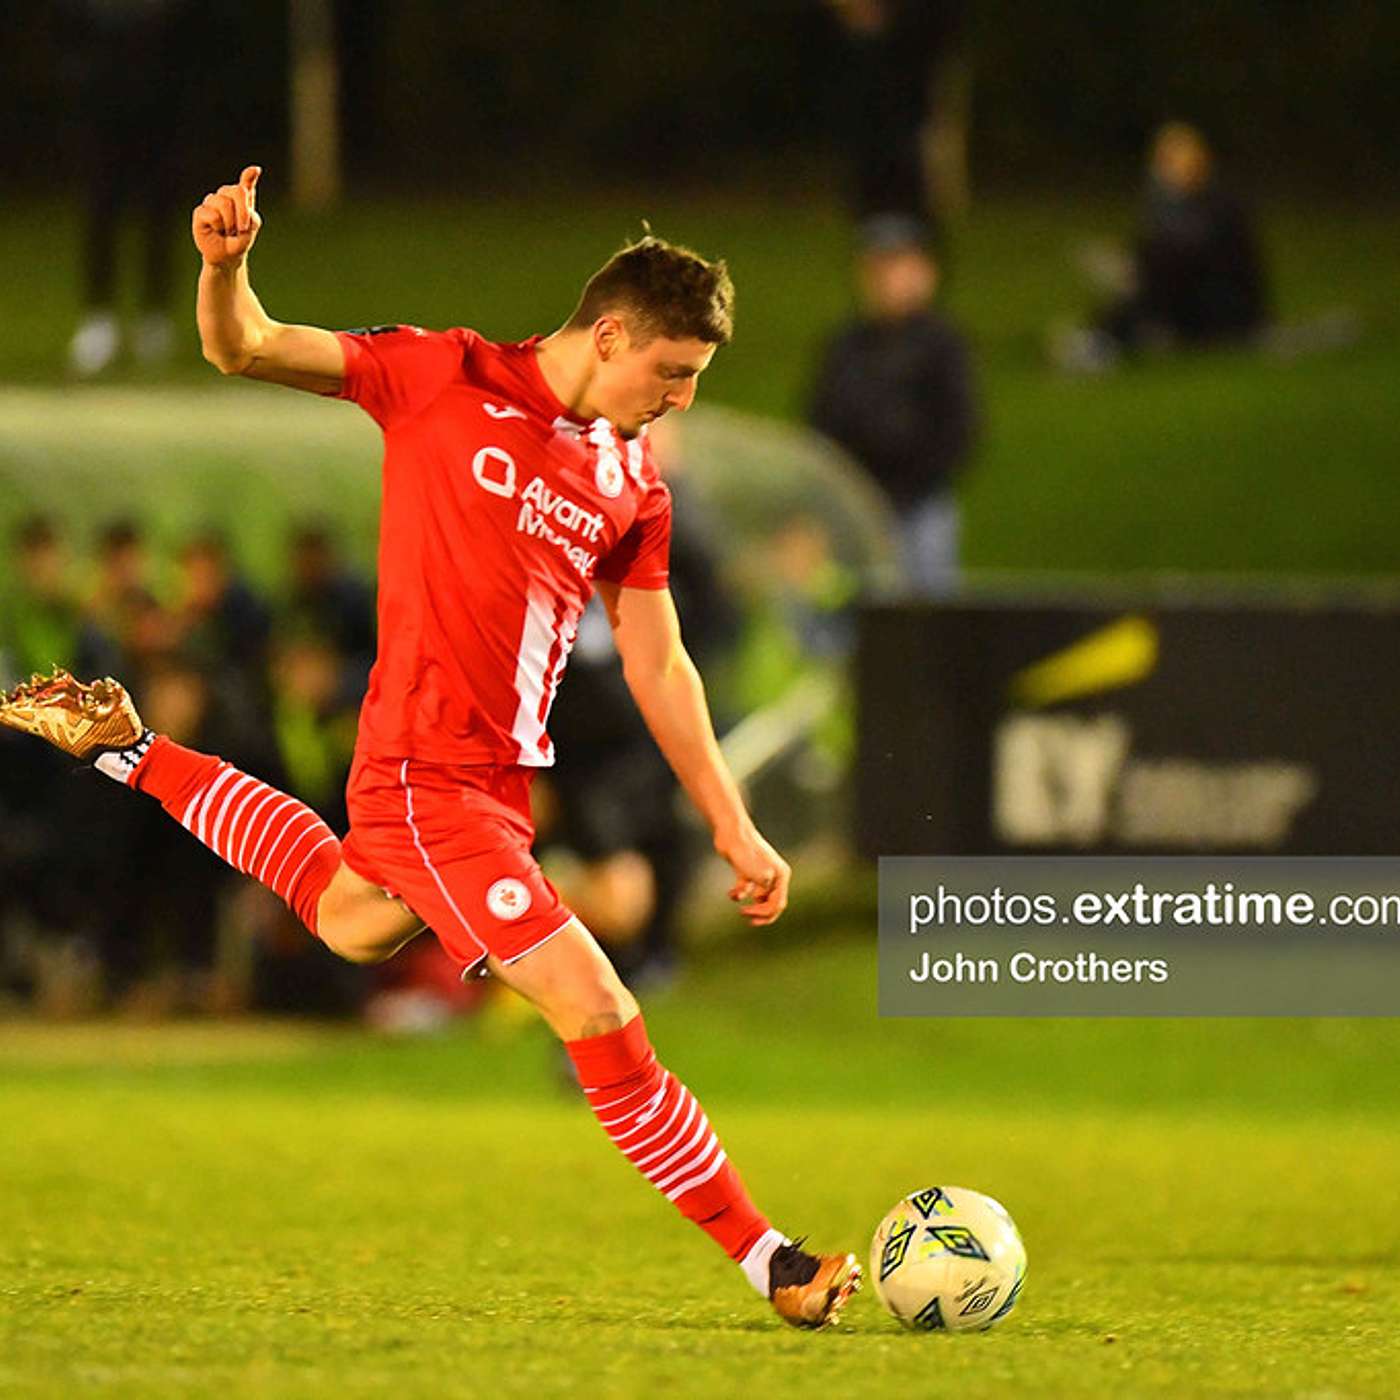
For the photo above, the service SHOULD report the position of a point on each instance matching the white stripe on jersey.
(539, 664)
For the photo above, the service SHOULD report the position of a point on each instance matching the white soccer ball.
(948, 1259)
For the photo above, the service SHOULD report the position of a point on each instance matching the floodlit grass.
(263, 1210)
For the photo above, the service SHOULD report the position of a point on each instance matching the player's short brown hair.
(660, 288)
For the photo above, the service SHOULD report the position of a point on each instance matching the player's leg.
(276, 839)
(571, 983)
(657, 1124)
(360, 921)
(260, 831)
(454, 843)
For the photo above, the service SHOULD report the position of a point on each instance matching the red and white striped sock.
(258, 830)
(657, 1124)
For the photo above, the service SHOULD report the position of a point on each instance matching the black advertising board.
(1160, 729)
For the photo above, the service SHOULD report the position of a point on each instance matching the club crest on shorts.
(607, 476)
(508, 898)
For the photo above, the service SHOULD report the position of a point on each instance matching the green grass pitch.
(271, 1210)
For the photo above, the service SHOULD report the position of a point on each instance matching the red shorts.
(453, 842)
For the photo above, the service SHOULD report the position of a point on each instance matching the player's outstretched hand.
(762, 875)
(227, 221)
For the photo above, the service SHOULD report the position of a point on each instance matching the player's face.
(638, 383)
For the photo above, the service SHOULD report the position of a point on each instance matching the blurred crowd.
(100, 897)
(105, 903)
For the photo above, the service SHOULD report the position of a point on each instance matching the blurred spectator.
(156, 898)
(895, 388)
(314, 725)
(898, 103)
(120, 603)
(797, 644)
(81, 918)
(813, 591)
(42, 624)
(136, 62)
(328, 599)
(610, 801)
(222, 623)
(1195, 276)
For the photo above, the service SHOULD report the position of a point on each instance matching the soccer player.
(517, 480)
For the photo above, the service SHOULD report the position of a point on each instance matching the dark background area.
(439, 95)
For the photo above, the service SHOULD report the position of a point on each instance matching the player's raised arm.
(237, 335)
(671, 697)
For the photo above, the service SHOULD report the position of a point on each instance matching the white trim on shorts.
(431, 869)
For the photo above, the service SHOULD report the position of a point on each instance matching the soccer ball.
(948, 1259)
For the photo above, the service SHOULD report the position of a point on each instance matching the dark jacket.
(899, 397)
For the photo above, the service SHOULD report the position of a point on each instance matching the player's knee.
(347, 938)
(607, 1006)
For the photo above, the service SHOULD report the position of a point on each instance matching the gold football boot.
(84, 721)
(809, 1290)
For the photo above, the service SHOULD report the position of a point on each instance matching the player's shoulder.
(407, 331)
(405, 342)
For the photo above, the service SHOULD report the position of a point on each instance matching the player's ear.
(609, 336)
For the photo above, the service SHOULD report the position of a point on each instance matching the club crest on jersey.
(508, 898)
(608, 476)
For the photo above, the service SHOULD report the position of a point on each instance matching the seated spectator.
(314, 726)
(42, 624)
(315, 733)
(158, 938)
(328, 599)
(223, 625)
(1195, 276)
(121, 606)
(895, 389)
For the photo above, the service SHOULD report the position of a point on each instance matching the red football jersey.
(499, 511)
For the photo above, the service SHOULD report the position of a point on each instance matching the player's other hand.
(227, 221)
(762, 876)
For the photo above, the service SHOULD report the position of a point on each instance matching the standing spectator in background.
(895, 389)
(1195, 276)
(134, 61)
(614, 796)
(901, 108)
